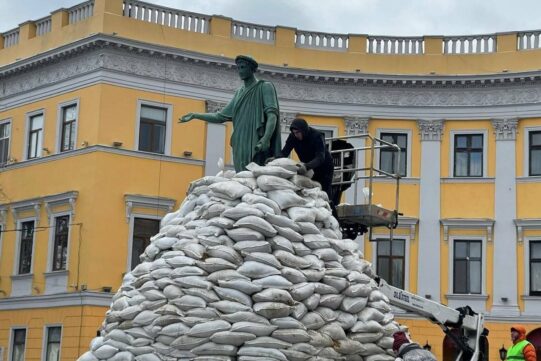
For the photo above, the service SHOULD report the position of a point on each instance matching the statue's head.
(246, 66)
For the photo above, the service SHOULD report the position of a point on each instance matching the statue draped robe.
(248, 111)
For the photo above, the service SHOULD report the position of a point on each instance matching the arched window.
(535, 338)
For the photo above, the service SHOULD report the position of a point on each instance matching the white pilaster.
(356, 126)
(505, 280)
(215, 147)
(429, 212)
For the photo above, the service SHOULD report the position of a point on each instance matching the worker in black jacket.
(309, 144)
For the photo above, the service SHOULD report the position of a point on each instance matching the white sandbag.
(313, 275)
(279, 243)
(293, 275)
(315, 262)
(214, 264)
(386, 342)
(346, 320)
(268, 342)
(227, 253)
(308, 228)
(215, 209)
(300, 249)
(105, 352)
(358, 290)
(286, 163)
(194, 250)
(312, 302)
(255, 199)
(193, 281)
(187, 302)
(349, 347)
(253, 328)
(377, 295)
(304, 182)
(368, 326)
(370, 314)
(241, 285)
(379, 357)
(287, 322)
(313, 321)
(245, 317)
(175, 330)
(120, 336)
(96, 343)
(330, 353)
(286, 198)
(294, 335)
(261, 352)
(353, 304)
(316, 241)
(272, 183)
(299, 311)
(209, 230)
(229, 306)
(302, 291)
(305, 348)
(381, 306)
(248, 182)
(186, 342)
(147, 357)
(290, 260)
(153, 295)
(232, 338)
(265, 258)
(289, 234)
(257, 224)
(230, 189)
(144, 318)
(281, 221)
(371, 349)
(253, 246)
(207, 313)
(366, 337)
(129, 313)
(272, 309)
(257, 270)
(301, 214)
(225, 275)
(328, 315)
(206, 329)
(205, 294)
(211, 348)
(165, 242)
(344, 245)
(324, 289)
(327, 254)
(334, 330)
(188, 271)
(233, 295)
(275, 281)
(273, 295)
(244, 234)
(240, 211)
(319, 339)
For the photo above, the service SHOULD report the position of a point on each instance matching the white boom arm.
(470, 325)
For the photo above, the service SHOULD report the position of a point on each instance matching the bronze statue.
(254, 112)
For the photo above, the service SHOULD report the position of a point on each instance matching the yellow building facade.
(92, 156)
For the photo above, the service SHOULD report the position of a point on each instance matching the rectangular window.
(143, 229)
(35, 136)
(535, 268)
(60, 250)
(69, 124)
(18, 344)
(535, 153)
(25, 247)
(467, 267)
(468, 155)
(152, 128)
(5, 134)
(52, 349)
(387, 156)
(391, 261)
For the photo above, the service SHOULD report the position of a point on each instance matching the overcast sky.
(374, 17)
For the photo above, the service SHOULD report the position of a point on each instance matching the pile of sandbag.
(250, 267)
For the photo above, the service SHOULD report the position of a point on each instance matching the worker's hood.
(521, 331)
(299, 124)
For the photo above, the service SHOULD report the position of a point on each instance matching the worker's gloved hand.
(301, 169)
(186, 118)
(263, 145)
(268, 160)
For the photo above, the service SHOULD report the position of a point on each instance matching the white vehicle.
(463, 325)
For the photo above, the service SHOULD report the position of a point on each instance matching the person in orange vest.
(521, 349)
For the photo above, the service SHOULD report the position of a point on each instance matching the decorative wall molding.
(30, 205)
(131, 63)
(430, 129)
(356, 125)
(525, 224)
(465, 223)
(53, 202)
(505, 129)
(156, 203)
(408, 223)
(214, 107)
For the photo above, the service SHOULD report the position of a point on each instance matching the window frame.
(168, 124)
(52, 234)
(18, 247)
(29, 117)
(45, 340)
(8, 156)
(527, 266)
(60, 124)
(451, 242)
(526, 154)
(12, 340)
(407, 241)
(452, 137)
(409, 140)
(390, 257)
(132, 231)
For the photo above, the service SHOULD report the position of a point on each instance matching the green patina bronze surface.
(254, 112)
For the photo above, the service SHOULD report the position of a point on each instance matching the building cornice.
(297, 74)
(75, 299)
(467, 223)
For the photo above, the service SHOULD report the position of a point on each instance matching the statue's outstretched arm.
(207, 117)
